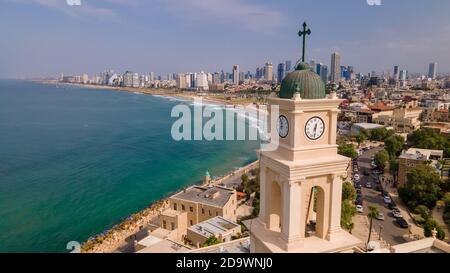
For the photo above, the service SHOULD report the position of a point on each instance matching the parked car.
(356, 177)
(401, 222)
(392, 206)
(380, 216)
(359, 201)
(385, 194)
(397, 214)
(387, 199)
(359, 209)
(368, 185)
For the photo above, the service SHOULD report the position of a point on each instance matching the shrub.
(424, 212)
(428, 229)
(419, 220)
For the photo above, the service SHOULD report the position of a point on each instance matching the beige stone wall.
(197, 213)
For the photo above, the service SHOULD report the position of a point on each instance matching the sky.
(43, 38)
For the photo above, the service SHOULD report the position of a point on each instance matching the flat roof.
(368, 125)
(213, 227)
(215, 195)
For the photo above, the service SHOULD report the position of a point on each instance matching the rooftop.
(214, 196)
(368, 126)
(213, 227)
(421, 154)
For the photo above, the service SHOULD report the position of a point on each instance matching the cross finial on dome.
(306, 31)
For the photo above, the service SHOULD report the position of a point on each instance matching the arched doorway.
(315, 213)
(275, 207)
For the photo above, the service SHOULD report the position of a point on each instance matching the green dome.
(303, 80)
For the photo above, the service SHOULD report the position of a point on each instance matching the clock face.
(283, 126)
(314, 129)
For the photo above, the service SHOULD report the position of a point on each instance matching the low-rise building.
(202, 203)
(414, 157)
(218, 227)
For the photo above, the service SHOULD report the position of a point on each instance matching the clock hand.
(315, 130)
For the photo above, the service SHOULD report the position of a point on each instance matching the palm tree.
(373, 213)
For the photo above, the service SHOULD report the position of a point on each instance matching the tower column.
(292, 203)
(335, 211)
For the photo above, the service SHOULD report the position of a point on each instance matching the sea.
(75, 161)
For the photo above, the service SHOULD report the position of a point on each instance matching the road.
(390, 232)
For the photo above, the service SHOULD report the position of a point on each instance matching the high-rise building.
(322, 71)
(268, 72)
(130, 79)
(236, 74)
(288, 66)
(335, 67)
(312, 65)
(432, 71)
(201, 82)
(396, 72)
(216, 78)
(151, 76)
(281, 72)
(181, 81)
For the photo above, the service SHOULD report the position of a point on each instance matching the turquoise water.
(75, 161)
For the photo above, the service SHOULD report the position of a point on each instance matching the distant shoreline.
(149, 91)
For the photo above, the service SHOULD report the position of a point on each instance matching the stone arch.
(275, 207)
(316, 213)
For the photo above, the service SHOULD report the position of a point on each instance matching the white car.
(359, 209)
(387, 199)
(356, 177)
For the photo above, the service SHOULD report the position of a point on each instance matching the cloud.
(238, 13)
(84, 10)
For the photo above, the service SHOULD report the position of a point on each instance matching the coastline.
(158, 92)
(111, 240)
(114, 238)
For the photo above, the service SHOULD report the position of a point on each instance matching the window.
(183, 208)
(164, 224)
(217, 214)
(209, 212)
(203, 211)
(191, 209)
(174, 206)
(191, 222)
(172, 225)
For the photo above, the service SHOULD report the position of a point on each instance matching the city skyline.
(138, 36)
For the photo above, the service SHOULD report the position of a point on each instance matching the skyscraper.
(268, 72)
(236, 74)
(335, 67)
(432, 70)
(396, 72)
(322, 71)
(288, 66)
(281, 72)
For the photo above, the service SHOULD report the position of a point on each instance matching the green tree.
(348, 210)
(424, 211)
(394, 145)
(393, 168)
(211, 241)
(428, 229)
(381, 159)
(360, 138)
(347, 150)
(430, 139)
(422, 188)
(348, 191)
(373, 214)
(380, 134)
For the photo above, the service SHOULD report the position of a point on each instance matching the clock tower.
(301, 180)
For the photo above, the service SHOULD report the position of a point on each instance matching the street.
(390, 231)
